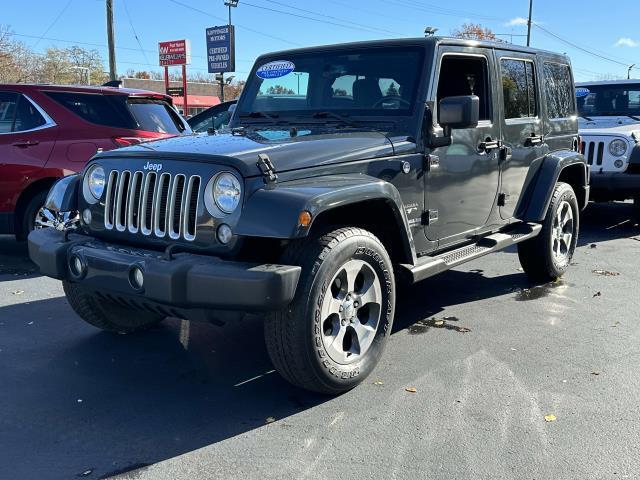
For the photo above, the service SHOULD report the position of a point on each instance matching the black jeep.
(348, 169)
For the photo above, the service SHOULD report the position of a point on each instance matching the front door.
(521, 125)
(462, 183)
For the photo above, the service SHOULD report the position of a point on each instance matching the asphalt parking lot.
(489, 356)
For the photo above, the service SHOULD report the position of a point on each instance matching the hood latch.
(266, 168)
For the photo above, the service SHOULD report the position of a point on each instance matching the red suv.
(47, 132)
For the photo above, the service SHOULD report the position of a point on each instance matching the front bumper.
(186, 281)
(618, 183)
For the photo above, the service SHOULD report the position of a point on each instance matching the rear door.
(522, 127)
(27, 137)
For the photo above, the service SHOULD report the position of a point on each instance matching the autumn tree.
(474, 31)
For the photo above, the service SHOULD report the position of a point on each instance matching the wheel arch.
(34, 188)
(565, 166)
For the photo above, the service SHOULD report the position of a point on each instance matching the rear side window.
(27, 116)
(559, 92)
(121, 112)
(518, 89)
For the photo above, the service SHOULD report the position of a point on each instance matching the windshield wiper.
(337, 116)
(589, 119)
(270, 116)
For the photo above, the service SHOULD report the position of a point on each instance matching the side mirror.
(459, 112)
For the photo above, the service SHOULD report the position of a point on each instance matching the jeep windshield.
(343, 87)
(609, 100)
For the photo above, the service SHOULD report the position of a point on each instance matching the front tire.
(334, 332)
(107, 315)
(546, 257)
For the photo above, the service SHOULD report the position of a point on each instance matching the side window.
(559, 91)
(95, 108)
(518, 88)
(27, 116)
(8, 103)
(462, 75)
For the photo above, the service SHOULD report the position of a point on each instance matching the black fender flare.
(273, 212)
(567, 165)
(63, 195)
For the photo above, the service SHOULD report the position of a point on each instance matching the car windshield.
(333, 85)
(604, 100)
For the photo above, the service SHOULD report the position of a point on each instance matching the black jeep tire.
(28, 221)
(334, 354)
(107, 315)
(547, 256)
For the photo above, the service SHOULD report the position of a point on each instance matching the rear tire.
(106, 315)
(334, 332)
(547, 256)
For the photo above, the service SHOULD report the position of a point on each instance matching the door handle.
(534, 140)
(489, 144)
(25, 143)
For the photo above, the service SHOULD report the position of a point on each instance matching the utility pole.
(629, 71)
(111, 42)
(529, 23)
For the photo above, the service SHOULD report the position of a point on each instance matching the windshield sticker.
(582, 92)
(276, 69)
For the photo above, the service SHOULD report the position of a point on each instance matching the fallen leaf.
(438, 323)
(463, 329)
(550, 417)
(270, 420)
(616, 324)
(17, 292)
(606, 273)
(595, 373)
(597, 294)
(378, 382)
(593, 245)
(411, 389)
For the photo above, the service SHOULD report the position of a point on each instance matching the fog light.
(224, 233)
(136, 278)
(76, 266)
(86, 216)
(618, 163)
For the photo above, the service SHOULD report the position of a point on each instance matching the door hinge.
(432, 162)
(502, 199)
(430, 217)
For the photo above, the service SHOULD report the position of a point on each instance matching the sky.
(602, 42)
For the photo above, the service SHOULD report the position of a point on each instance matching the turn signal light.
(304, 219)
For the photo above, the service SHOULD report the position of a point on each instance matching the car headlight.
(226, 192)
(618, 147)
(96, 181)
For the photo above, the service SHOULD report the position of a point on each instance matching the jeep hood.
(307, 149)
(606, 122)
(618, 130)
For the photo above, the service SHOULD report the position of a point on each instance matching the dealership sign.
(221, 49)
(177, 52)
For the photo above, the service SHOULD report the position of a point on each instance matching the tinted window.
(27, 116)
(518, 88)
(559, 92)
(612, 99)
(8, 102)
(155, 116)
(356, 82)
(465, 76)
(210, 118)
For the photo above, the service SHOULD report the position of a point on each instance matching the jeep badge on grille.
(154, 167)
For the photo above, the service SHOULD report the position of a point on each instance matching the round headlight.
(226, 192)
(618, 147)
(96, 181)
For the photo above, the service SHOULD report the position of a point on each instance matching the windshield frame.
(306, 116)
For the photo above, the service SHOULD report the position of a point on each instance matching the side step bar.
(429, 266)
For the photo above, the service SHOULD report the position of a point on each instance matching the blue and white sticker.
(582, 92)
(276, 69)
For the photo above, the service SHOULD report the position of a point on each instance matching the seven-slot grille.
(158, 204)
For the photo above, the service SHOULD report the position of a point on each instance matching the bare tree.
(474, 31)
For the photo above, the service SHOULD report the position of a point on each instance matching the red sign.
(176, 52)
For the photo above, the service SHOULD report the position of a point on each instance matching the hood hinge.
(267, 169)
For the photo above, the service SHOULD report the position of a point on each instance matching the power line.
(55, 20)
(126, 9)
(578, 47)
(343, 23)
(224, 20)
(438, 10)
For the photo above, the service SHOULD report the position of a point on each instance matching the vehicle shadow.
(14, 259)
(601, 222)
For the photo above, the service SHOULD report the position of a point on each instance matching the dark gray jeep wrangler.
(348, 169)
